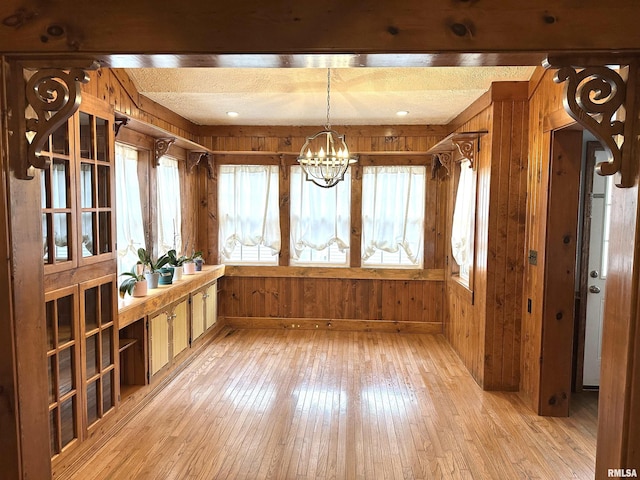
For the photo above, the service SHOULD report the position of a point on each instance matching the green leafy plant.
(149, 264)
(174, 259)
(129, 283)
(193, 256)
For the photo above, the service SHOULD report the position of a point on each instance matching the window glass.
(249, 214)
(463, 222)
(320, 221)
(169, 216)
(129, 223)
(393, 199)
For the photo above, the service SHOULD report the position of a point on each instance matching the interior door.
(597, 273)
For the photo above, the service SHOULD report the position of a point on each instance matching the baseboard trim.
(351, 325)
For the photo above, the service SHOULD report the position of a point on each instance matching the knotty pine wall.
(115, 87)
(286, 296)
(545, 99)
(485, 331)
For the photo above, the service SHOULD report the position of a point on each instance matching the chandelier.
(324, 157)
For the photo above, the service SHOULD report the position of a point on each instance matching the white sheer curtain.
(129, 227)
(248, 207)
(86, 201)
(462, 227)
(169, 216)
(393, 211)
(320, 217)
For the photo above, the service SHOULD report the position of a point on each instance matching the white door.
(597, 274)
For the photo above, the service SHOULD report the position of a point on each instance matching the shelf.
(456, 147)
(126, 343)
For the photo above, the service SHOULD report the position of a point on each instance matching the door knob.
(594, 289)
(594, 274)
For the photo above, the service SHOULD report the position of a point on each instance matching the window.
(320, 221)
(129, 226)
(169, 218)
(393, 199)
(249, 214)
(462, 229)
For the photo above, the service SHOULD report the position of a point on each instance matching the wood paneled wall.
(115, 87)
(486, 333)
(545, 100)
(364, 299)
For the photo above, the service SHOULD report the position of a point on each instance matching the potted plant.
(135, 284)
(198, 260)
(177, 262)
(152, 268)
(189, 265)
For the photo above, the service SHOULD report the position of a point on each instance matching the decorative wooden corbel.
(195, 158)
(211, 167)
(455, 148)
(54, 95)
(441, 159)
(593, 97)
(161, 147)
(118, 123)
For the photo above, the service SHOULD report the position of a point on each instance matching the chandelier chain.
(328, 124)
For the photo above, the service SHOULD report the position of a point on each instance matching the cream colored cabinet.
(203, 310)
(168, 335)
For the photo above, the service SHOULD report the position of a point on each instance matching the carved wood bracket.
(54, 95)
(456, 147)
(161, 147)
(604, 102)
(194, 158)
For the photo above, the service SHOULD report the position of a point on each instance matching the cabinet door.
(180, 327)
(99, 332)
(197, 314)
(158, 342)
(95, 159)
(211, 305)
(63, 359)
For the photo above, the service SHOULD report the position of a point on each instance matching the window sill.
(434, 274)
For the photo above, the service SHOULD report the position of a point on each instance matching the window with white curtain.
(249, 214)
(393, 203)
(169, 216)
(129, 223)
(320, 221)
(462, 229)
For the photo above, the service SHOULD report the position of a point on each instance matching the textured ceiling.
(298, 96)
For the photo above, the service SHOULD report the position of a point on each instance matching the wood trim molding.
(435, 275)
(349, 325)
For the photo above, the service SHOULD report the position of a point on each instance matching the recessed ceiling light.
(402, 113)
(232, 114)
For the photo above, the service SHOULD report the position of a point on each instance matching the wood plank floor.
(286, 404)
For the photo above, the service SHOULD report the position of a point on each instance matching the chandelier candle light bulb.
(325, 168)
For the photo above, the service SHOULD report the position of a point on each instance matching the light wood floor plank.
(272, 404)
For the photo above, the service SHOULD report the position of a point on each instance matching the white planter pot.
(177, 273)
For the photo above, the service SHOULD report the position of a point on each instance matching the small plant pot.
(189, 268)
(177, 273)
(166, 276)
(152, 279)
(140, 289)
(198, 262)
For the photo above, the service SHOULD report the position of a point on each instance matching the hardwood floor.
(288, 404)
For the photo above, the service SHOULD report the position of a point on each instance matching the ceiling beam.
(201, 32)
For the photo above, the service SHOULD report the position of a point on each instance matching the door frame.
(581, 302)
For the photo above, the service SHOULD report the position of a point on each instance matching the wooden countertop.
(131, 309)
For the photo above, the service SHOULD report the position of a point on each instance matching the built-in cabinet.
(168, 335)
(204, 310)
(78, 253)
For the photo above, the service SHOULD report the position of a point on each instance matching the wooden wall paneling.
(560, 268)
(210, 249)
(28, 315)
(10, 441)
(202, 209)
(285, 212)
(619, 406)
(544, 100)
